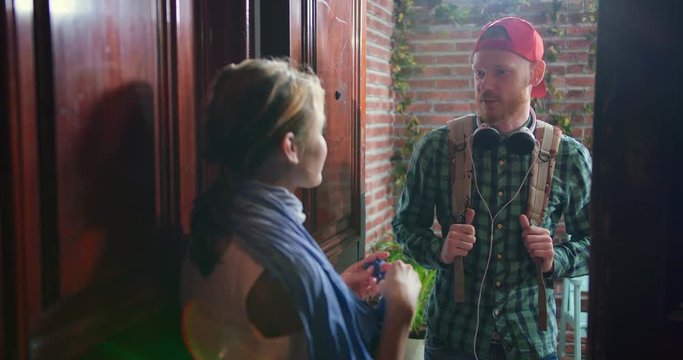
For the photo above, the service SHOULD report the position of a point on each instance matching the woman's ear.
(289, 148)
(537, 72)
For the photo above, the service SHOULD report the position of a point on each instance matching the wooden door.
(338, 58)
(98, 167)
(636, 274)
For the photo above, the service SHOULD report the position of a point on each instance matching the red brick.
(433, 71)
(374, 78)
(434, 95)
(375, 38)
(556, 69)
(452, 107)
(378, 143)
(581, 29)
(462, 70)
(373, 23)
(379, 118)
(580, 81)
(373, 91)
(465, 46)
(378, 170)
(433, 47)
(577, 44)
(420, 107)
(379, 158)
(378, 51)
(383, 67)
(453, 59)
(577, 94)
(453, 84)
(573, 57)
(374, 8)
(418, 83)
(378, 131)
(578, 107)
(380, 105)
(424, 59)
(577, 69)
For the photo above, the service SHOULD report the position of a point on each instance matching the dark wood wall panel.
(99, 163)
(224, 37)
(20, 218)
(106, 76)
(336, 55)
(636, 253)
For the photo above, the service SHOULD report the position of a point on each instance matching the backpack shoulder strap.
(460, 169)
(548, 137)
(459, 133)
(545, 153)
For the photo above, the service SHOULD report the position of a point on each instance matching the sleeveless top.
(215, 323)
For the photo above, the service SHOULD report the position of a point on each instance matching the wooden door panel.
(337, 60)
(106, 87)
(334, 66)
(101, 166)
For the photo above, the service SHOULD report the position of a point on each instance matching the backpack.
(540, 181)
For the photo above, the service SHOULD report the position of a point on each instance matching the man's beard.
(505, 108)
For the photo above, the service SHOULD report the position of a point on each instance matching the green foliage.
(591, 15)
(450, 13)
(494, 9)
(403, 65)
(427, 277)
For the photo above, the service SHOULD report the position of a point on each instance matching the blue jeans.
(437, 349)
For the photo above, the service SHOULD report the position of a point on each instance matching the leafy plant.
(418, 326)
(403, 64)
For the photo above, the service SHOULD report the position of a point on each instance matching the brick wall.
(444, 87)
(379, 120)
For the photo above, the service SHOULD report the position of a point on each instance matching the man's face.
(502, 84)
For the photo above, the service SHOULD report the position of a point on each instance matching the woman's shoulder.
(270, 308)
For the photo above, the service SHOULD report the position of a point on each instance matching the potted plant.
(418, 327)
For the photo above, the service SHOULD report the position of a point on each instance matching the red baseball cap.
(522, 39)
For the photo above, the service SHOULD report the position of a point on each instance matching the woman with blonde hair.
(255, 284)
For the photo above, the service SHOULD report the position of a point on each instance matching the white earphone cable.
(492, 218)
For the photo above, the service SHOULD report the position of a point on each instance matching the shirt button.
(498, 284)
(496, 312)
(499, 226)
(501, 162)
(499, 256)
(500, 194)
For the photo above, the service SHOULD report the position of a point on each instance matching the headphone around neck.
(520, 141)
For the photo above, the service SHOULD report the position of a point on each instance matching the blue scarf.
(269, 222)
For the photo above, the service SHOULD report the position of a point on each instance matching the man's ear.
(289, 148)
(537, 72)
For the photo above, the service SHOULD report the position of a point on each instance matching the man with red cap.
(495, 308)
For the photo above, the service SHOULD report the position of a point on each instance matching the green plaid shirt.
(509, 301)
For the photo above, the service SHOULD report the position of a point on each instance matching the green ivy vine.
(403, 65)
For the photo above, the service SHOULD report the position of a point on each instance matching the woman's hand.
(361, 281)
(400, 288)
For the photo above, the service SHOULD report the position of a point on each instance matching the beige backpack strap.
(459, 132)
(540, 182)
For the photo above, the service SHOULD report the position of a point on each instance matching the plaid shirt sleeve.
(571, 257)
(412, 223)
